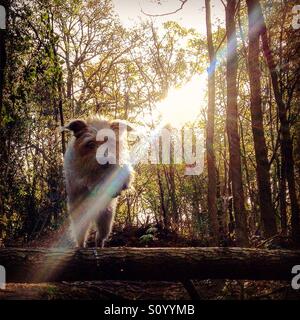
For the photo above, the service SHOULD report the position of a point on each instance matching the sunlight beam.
(183, 105)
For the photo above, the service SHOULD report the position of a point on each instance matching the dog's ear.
(116, 125)
(78, 127)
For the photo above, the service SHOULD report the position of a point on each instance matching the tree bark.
(282, 198)
(232, 128)
(285, 135)
(3, 35)
(164, 210)
(211, 165)
(164, 264)
(58, 84)
(262, 164)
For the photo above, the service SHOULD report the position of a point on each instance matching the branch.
(183, 2)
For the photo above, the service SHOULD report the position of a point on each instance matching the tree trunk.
(61, 112)
(59, 86)
(164, 210)
(232, 128)
(164, 264)
(211, 166)
(3, 34)
(262, 163)
(285, 136)
(252, 219)
(282, 198)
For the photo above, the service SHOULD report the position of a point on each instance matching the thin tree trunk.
(282, 198)
(170, 178)
(4, 152)
(59, 86)
(3, 35)
(285, 136)
(225, 192)
(61, 112)
(165, 218)
(128, 216)
(262, 163)
(211, 166)
(252, 218)
(232, 128)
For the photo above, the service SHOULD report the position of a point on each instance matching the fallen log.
(168, 264)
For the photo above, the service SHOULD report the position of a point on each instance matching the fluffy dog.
(92, 184)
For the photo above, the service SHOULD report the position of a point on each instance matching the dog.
(93, 184)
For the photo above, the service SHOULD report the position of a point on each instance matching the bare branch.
(183, 2)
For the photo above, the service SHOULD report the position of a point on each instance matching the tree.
(211, 166)
(261, 156)
(286, 143)
(3, 34)
(235, 166)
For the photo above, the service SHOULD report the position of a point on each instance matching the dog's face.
(89, 136)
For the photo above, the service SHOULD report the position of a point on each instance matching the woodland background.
(68, 59)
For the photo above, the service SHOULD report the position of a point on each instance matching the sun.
(184, 104)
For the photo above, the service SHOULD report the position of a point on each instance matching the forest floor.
(151, 290)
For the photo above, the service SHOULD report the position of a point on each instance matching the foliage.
(69, 59)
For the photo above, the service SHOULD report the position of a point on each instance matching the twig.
(183, 2)
(267, 240)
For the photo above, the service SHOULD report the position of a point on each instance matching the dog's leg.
(104, 225)
(80, 232)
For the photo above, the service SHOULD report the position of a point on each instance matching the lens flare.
(183, 105)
